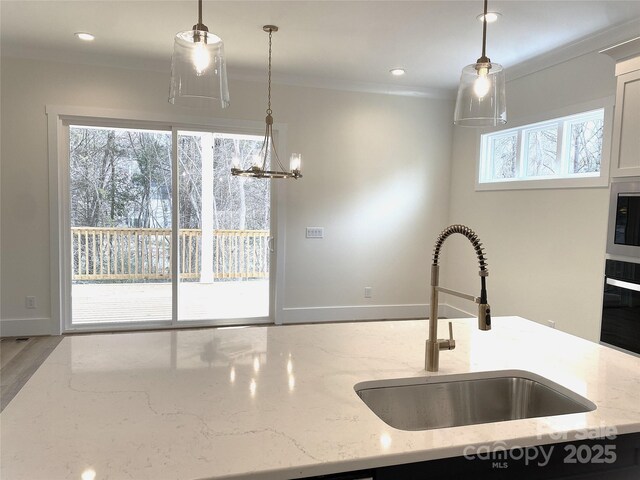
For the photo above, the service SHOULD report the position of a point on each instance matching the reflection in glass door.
(120, 217)
(224, 229)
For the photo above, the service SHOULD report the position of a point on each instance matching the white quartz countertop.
(279, 402)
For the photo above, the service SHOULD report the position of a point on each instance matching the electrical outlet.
(30, 302)
(315, 232)
(367, 292)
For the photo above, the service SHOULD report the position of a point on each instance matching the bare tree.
(122, 178)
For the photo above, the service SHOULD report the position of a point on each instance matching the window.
(545, 154)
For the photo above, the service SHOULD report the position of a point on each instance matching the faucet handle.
(452, 342)
(448, 344)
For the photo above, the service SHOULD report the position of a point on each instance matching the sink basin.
(449, 401)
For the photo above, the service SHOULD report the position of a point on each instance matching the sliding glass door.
(122, 194)
(120, 217)
(224, 229)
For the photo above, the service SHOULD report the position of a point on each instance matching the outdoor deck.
(150, 302)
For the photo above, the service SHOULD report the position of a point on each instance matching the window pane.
(542, 152)
(504, 151)
(248, 205)
(224, 229)
(560, 148)
(586, 146)
(120, 195)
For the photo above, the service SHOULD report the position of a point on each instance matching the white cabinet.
(625, 152)
(625, 144)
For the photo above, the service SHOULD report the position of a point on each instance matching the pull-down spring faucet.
(434, 345)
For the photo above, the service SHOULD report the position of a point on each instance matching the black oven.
(621, 306)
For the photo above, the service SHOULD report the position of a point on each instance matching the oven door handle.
(622, 284)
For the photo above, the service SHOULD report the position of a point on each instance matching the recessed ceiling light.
(491, 16)
(87, 37)
(397, 71)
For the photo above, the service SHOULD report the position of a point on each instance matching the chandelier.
(266, 163)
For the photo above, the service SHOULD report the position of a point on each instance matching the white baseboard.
(25, 327)
(365, 312)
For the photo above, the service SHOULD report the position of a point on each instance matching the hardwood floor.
(19, 359)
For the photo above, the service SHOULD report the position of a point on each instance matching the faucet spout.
(433, 344)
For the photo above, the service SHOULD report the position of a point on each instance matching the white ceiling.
(344, 44)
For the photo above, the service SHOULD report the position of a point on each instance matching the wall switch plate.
(367, 292)
(315, 232)
(30, 302)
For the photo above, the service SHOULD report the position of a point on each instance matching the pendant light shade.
(266, 164)
(481, 100)
(198, 67)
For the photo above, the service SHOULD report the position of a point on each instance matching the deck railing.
(145, 254)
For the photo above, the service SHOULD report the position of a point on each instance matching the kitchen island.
(279, 402)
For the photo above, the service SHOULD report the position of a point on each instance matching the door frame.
(58, 120)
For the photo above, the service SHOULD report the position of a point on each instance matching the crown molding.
(624, 50)
(160, 66)
(590, 44)
(345, 85)
(598, 42)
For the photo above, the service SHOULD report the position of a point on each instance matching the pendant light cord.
(200, 26)
(269, 111)
(484, 31)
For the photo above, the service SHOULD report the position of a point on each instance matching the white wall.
(546, 248)
(376, 177)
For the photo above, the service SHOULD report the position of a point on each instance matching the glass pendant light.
(267, 164)
(481, 100)
(198, 67)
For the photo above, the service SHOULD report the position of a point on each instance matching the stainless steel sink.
(469, 399)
